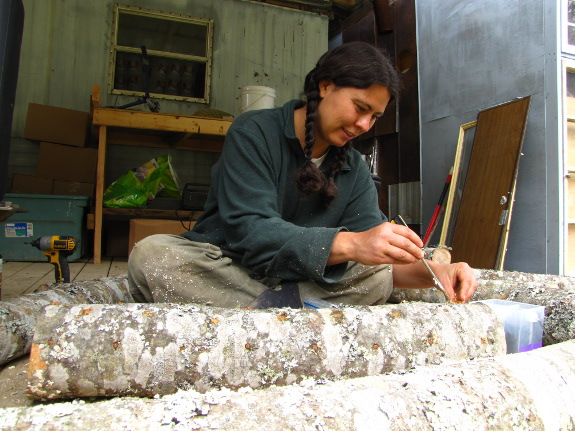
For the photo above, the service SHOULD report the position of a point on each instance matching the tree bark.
(18, 315)
(148, 349)
(556, 293)
(525, 391)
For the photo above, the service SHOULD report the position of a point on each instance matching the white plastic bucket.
(256, 97)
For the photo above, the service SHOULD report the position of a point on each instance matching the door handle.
(503, 217)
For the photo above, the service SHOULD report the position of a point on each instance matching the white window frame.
(154, 54)
(565, 25)
(567, 66)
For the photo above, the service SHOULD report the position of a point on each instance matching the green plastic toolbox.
(45, 215)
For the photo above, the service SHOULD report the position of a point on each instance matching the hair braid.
(309, 178)
(337, 157)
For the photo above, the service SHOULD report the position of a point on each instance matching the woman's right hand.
(387, 243)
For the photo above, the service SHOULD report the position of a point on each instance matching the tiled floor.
(19, 278)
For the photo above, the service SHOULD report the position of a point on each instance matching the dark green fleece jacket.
(254, 210)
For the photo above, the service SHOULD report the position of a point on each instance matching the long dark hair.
(353, 64)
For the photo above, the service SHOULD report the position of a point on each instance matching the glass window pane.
(177, 77)
(570, 197)
(570, 79)
(129, 73)
(162, 34)
(167, 75)
(570, 258)
(570, 156)
(571, 11)
(571, 35)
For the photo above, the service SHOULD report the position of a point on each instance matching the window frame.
(565, 25)
(567, 171)
(168, 16)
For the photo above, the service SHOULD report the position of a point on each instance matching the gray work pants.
(169, 268)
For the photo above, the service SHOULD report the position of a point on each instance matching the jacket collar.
(289, 129)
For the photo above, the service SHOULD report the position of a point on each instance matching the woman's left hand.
(458, 279)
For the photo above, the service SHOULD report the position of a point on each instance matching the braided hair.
(354, 64)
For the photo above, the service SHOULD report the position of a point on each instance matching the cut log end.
(437, 254)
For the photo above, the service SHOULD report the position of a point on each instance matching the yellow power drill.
(57, 248)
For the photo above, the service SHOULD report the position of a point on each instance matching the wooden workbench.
(142, 128)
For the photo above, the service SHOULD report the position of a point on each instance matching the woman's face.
(346, 112)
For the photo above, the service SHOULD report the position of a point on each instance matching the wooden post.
(525, 391)
(99, 193)
(148, 349)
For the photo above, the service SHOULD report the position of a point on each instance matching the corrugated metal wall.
(65, 50)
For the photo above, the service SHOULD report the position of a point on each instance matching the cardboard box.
(74, 188)
(65, 163)
(141, 228)
(32, 184)
(23, 183)
(57, 125)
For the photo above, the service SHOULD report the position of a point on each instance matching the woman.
(292, 204)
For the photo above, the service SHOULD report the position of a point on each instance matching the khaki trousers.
(169, 268)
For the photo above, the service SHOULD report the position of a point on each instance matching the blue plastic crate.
(46, 215)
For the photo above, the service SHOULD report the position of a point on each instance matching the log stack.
(302, 369)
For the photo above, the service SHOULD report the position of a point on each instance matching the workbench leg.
(100, 174)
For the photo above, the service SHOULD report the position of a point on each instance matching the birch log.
(148, 349)
(556, 293)
(525, 391)
(18, 315)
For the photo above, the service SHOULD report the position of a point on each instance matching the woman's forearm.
(412, 276)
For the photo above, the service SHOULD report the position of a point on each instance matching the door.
(482, 225)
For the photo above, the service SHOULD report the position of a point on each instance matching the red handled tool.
(437, 211)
